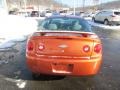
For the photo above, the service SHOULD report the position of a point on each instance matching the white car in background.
(48, 13)
(108, 17)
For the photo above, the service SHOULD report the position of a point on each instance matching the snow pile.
(15, 28)
(6, 45)
(36, 18)
(104, 26)
(20, 83)
(88, 18)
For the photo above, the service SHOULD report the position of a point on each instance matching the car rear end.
(74, 53)
(115, 18)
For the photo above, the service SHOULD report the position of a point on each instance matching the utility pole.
(95, 3)
(83, 5)
(74, 7)
(101, 4)
(77, 4)
(24, 4)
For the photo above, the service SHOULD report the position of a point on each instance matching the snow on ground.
(104, 26)
(88, 18)
(6, 45)
(20, 83)
(15, 28)
(36, 18)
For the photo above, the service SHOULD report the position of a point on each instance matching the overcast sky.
(80, 2)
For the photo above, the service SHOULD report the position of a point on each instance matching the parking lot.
(14, 74)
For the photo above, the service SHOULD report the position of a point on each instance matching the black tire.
(35, 76)
(106, 22)
(93, 19)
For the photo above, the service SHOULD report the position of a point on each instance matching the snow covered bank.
(104, 26)
(15, 28)
(88, 18)
(36, 18)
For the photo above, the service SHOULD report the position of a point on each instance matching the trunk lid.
(63, 43)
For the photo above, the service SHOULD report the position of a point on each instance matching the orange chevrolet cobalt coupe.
(64, 45)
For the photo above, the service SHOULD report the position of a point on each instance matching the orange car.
(64, 45)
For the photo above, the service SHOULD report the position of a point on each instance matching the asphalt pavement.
(14, 74)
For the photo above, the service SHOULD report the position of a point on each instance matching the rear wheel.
(106, 22)
(35, 76)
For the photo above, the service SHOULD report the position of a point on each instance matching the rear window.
(117, 13)
(64, 24)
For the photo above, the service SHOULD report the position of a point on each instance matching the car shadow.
(48, 78)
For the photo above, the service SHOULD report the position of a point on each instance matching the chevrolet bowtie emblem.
(63, 46)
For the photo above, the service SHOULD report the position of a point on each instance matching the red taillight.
(97, 48)
(30, 46)
(86, 48)
(41, 47)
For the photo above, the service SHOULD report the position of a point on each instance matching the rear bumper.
(74, 67)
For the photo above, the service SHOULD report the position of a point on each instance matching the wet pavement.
(14, 74)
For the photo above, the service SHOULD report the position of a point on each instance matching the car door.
(100, 16)
(107, 15)
(97, 16)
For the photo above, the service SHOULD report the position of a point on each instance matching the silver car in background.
(108, 17)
